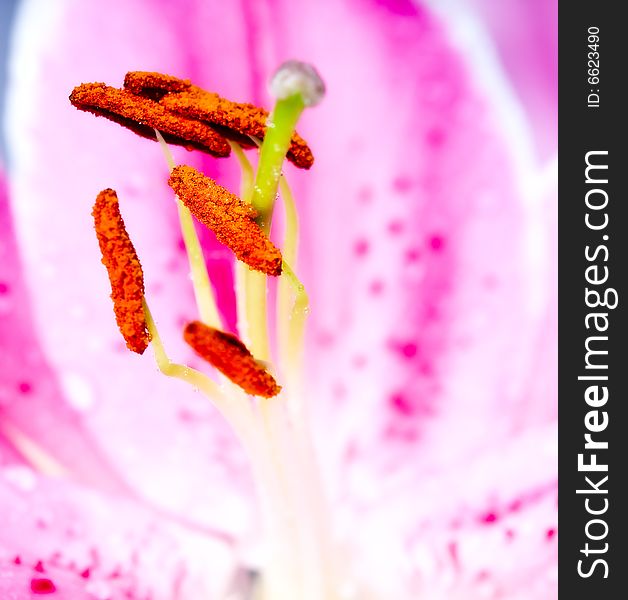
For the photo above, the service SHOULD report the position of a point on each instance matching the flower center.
(269, 419)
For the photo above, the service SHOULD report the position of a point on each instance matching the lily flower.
(428, 364)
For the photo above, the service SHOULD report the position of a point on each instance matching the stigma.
(297, 78)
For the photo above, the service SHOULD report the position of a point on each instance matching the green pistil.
(279, 131)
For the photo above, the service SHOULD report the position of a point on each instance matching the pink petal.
(428, 307)
(61, 159)
(32, 404)
(90, 546)
(526, 37)
(425, 250)
(416, 225)
(484, 528)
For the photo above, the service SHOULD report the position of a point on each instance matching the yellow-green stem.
(292, 299)
(246, 169)
(291, 333)
(203, 291)
(236, 411)
(294, 507)
(257, 313)
(251, 292)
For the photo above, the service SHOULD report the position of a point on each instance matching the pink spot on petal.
(404, 8)
(361, 248)
(39, 567)
(490, 282)
(453, 553)
(515, 505)
(409, 350)
(550, 533)
(402, 405)
(376, 288)
(359, 361)
(412, 255)
(24, 387)
(42, 586)
(56, 558)
(401, 434)
(490, 517)
(426, 369)
(4, 288)
(435, 138)
(325, 339)
(436, 243)
(402, 184)
(339, 390)
(395, 227)
(187, 416)
(365, 195)
(431, 313)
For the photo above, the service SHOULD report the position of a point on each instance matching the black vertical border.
(583, 129)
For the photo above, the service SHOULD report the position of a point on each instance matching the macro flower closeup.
(427, 249)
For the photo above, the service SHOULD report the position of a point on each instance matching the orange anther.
(232, 358)
(124, 270)
(142, 115)
(231, 219)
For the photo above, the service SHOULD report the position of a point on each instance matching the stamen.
(273, 432)
(124, 269)
(231, 219)
(142, 115)
(232, 358)
(237, 121)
